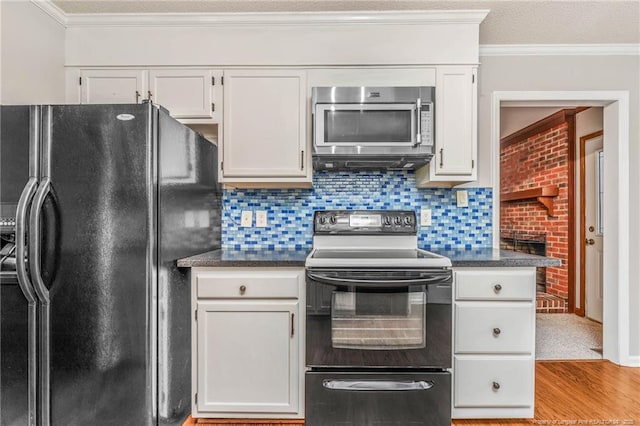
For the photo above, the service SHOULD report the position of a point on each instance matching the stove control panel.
(365, 222)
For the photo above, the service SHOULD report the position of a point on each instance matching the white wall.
(32, 54)
(561, 73)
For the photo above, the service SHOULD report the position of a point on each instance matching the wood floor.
(567, 393)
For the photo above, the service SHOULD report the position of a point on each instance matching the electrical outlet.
(202, 219)
(425, 217)
(261, 218)
(189, 219)
(246, 219)
(462, 198)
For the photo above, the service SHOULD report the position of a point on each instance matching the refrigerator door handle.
(35, 240)
(27, 289)
(44, 308)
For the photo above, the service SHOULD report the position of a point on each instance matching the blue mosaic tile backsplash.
(290, 211)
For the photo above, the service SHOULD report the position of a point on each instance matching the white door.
(113, 86)
(247, 356)
(594, 161)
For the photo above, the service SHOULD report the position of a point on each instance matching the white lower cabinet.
(494, 343)
(493, 381)
(246, 342)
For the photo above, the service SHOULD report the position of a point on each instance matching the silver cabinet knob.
(497, 288)
(496, 331)
(243, 288)
(495, 385)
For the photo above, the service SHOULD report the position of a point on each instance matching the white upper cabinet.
(264, 130)
(187, 93)
(112, 86)
(456, 110)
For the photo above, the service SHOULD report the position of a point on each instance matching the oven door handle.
(377, 385)
(375, 283)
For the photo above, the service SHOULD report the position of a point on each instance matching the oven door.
(378, 318)
(366, 124)
(374, 398)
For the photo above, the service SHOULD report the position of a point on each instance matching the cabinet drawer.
(498, 327)
(495, 284)
(493, 381)
(259, 285)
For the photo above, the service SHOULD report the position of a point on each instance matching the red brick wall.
(540, 160)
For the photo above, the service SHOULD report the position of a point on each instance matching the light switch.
(261, 218)
(462, 197)
(246, 219)
(425, 217)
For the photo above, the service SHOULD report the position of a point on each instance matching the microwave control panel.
(426, 124)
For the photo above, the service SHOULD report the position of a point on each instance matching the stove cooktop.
(369, 239)
(375, 258)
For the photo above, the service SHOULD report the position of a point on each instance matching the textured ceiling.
(508, 22)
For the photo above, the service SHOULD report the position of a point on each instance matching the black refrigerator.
(97, 203)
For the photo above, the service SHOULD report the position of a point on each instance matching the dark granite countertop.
(460, 257)
(490, 257)
(247, 258)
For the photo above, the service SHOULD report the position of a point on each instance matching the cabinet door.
(455, 121)
(264, 123)
(113, 86)
(186, 93)
(247, 356)
(455, 159)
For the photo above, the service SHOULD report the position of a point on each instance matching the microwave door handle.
(418, 122)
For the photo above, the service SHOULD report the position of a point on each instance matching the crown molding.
(52, 10)
(410, 17)
(621, 49)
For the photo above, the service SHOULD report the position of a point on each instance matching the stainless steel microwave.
(372, 127)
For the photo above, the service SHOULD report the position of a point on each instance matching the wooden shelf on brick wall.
(544, 195)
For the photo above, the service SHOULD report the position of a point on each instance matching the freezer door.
(96, 224)
(19, 171)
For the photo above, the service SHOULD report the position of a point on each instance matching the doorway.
(539, 153)
(616, 219)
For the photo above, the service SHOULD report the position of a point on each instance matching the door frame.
(616, 310)
(582, 310)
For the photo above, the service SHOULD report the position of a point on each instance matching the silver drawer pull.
(243, 289)
(496, 331)
(497, 288)
(376, 385)
(495, 385)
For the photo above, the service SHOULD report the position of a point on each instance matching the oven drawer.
(498, 381)
(255, 284)
(495, 284)
(377, 398)
(504, 327)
